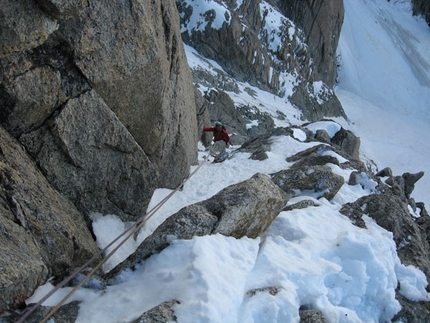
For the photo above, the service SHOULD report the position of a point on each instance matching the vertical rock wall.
(97, 110)
(322, 22)
(80, 76)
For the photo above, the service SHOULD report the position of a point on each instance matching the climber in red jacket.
(220, 133)
(221, 140)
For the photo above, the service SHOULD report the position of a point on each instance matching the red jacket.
(218, 135)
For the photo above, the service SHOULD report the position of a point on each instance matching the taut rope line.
(137, 226)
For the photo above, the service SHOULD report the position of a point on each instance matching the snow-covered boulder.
(243, 209)
(315, 181)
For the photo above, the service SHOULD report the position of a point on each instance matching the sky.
(313, 257)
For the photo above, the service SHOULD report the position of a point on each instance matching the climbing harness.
(137, 226)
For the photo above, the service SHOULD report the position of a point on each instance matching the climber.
(220, 133)
(221, 141)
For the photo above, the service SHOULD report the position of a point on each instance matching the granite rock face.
(42, 234)
(322, 22)
(89, 156)
(91, 54)
(273, 45)
(97, 110)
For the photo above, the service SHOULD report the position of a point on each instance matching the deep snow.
(310, 257)
(385, 85)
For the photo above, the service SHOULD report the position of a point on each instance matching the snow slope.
(385, 85)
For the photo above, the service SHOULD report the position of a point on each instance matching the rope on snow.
(137, 226)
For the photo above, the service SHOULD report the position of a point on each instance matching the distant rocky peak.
(255, 42)
(252, 40)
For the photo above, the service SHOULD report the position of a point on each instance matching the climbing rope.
(137, 226)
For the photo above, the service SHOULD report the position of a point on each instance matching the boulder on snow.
(311, 316)
(243, 209)
(386, 172)
(322, 154)
(348, 142)
(316, 181)
(247, 208)
(159, 314)
(401, 186)
(410, 180)
(323, 136)
(259, 145)
(190, 221)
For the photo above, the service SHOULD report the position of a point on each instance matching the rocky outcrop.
(221, 107)
(100, 96)
(159, 314)
(391, 208)
(322, 23)
(101, 170)
(244, 209)
(133, 57)
(97, 109)
(348, 142)
(316, 181)
(412, 312)
(422, 7)
(263, 43)
(344, 143)
(311, 316)
(65, 314)
(109, 58)
(249, 207)
(322, 154)
(401, 186)
(42, 234)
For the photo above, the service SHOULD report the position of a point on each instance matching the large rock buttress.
(97, 110)
(42, 234)
(127, 58)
